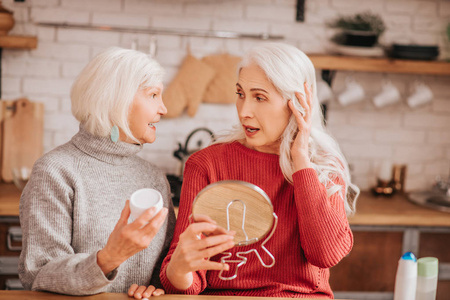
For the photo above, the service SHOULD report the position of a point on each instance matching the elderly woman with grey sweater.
(77, 238)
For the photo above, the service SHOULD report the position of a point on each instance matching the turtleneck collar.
(103, 148)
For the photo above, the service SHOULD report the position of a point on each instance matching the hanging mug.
(353, 93)
(389, 95)
(422, 95)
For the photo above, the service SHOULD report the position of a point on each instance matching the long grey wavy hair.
(288, 68)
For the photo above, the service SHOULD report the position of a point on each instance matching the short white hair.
(104, 90)
(288, 68)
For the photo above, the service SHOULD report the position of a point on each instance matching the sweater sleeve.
(48, 261)
(194, 180)
(325, 234)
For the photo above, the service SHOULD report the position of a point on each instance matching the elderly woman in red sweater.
(281, 146)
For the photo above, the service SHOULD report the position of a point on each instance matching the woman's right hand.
(128, 239)
(193, 252)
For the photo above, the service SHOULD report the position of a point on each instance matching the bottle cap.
(427, 266)
(409, 256)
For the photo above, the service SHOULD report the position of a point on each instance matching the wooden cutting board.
(6, 111)
(22, 136)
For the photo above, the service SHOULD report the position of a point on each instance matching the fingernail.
(226, 267)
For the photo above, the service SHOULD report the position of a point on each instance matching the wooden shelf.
(381, 65)
(18, 42)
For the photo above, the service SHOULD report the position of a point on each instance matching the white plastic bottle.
(427, 276)
(406, 278)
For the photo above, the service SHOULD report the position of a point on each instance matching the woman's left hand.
(139, 292)
(300, 148)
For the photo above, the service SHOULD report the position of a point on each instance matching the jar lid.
(427, 266)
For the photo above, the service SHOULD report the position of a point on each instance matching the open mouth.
(151, 125)
(250, 129)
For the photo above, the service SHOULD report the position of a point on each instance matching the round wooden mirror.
(239, 206)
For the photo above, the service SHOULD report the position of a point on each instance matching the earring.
(115, 133)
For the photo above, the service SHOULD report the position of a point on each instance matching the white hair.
(104, 90)
(288, 69)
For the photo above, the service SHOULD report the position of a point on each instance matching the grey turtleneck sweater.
(69, 208)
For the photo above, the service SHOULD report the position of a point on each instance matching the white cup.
(389, 95)
(143, 199)
(385, 171)
(421, 95)
(352, 93)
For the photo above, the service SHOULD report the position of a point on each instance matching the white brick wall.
(65, 52)
(275, 13)
(118, 19)
(58, 87)
(154, 8)
(367, 135)
(83, 37)
(89, 5)
(59, 15)
(412, 8)
(228, 10)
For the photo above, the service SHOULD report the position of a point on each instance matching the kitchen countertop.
(395, 211)
(370, 210)
(14, 295)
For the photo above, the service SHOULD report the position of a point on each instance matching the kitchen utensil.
(360, 38)
(22, 139)
(374, 51)
(419, 52)
(244, 208)
(196, 140)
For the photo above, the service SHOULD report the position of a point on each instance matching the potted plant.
(361, 29)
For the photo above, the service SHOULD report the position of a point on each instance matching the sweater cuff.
(194, 289)
(96, 274)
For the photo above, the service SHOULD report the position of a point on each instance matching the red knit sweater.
(313, 233)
